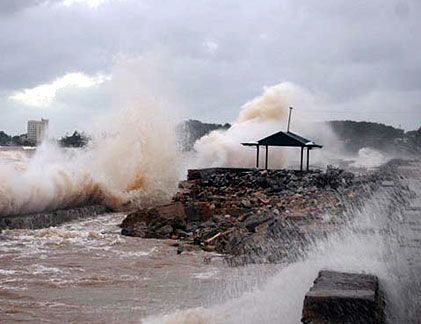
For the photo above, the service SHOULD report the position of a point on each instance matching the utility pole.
(289, 118)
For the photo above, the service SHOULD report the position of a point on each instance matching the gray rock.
(127, 232)
(181, 233)
(246, 203)
(191, 227)
(165, 230)
(253, 221)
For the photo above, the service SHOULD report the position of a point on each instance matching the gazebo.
(287, 139)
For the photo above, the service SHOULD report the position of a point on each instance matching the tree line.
(77, 139)
(355, 135)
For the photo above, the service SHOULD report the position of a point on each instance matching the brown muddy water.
(86, 272)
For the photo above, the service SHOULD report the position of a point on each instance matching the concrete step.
(343, 298)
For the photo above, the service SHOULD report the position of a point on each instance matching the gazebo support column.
(266, 160)
(257, 156)
(302, 153)
(308, 158)
(282, 139)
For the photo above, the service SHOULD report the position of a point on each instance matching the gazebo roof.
(284, 139)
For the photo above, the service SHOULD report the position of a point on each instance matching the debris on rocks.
(249, 214)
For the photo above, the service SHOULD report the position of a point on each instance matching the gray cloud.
(11, 6)
(348, 51)
(8, 7)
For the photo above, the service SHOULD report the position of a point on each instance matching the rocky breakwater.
(251, 215)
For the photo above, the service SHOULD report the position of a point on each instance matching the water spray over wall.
(132, 161)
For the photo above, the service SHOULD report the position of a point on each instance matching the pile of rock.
(174, 220)
(252, 215)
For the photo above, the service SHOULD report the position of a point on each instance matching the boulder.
(164, 230)
(197, 212)
(255, 220)
(253, 215)
(162, 221)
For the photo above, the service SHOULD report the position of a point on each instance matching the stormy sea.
(84, 270)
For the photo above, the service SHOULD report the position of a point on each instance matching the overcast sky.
(72, 60)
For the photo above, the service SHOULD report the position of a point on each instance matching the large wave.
(131, 160)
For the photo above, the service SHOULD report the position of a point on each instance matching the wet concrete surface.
(406, 267)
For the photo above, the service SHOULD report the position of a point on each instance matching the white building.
(37, 130)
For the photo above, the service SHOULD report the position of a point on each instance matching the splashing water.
(136, 163)
(381, 239)
(370, 158)
(132, 159)
(258, 118)
(261, 117)
(87, 271)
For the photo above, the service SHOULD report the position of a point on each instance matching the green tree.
(75, 140)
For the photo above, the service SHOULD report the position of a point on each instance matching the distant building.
(37, 130)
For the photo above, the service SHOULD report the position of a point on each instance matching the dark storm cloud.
(215, 55)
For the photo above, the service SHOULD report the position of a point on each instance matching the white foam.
(369, 158)
(205, 275)
(42, 269)
(134, 163)
(280, 299)
(6, 272)
(136, 254)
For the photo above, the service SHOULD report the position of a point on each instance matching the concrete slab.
(342, 298)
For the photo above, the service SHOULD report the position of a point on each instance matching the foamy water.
(87, 272)
(132, 160)
(381, 240)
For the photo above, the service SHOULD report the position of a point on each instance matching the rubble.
(249, 214)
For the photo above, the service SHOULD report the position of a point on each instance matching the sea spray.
(280, 300)
(132, 160)
(272, 105)
(376, 239)
(369, 158)
(260, 117)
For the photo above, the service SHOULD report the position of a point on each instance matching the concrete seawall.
(50, 218)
